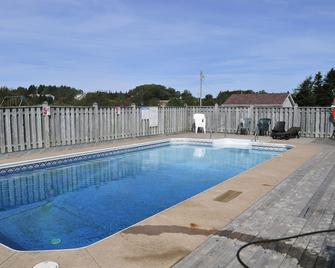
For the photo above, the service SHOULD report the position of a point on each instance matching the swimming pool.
(73, 202)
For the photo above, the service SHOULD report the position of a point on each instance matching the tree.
(4, 91)
(101, 98)
(188, 99)
(329, 86)
(303, 95)
(177, 102)
(223, 96)
(319, 91)
(208, 100)
(32, 89)
(21, 91)
(320, 96)
(151, 94)
(63, 94)
(153, 101)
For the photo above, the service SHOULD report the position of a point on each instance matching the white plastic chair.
(199, 121)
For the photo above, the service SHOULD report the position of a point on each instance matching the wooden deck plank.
(304, 202)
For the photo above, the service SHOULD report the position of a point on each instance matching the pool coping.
(178, 205)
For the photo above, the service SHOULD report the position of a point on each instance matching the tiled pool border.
(16, 167)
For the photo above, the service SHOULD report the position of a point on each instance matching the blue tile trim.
(72, 159)
(88, 156)
(270, 148)
(195, 142)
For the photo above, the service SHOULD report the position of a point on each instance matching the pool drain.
(227, 196)
(55, 241)
(47, 264)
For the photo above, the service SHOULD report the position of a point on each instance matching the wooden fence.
(315, 122)
(24, 128)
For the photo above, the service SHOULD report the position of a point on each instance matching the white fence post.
(295, 116)
(8, 131)
(216, 117)
(163, 120)
(96, 122)
(46, 127)
(134, 123)
(251, 116)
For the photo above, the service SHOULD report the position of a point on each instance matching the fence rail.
(27, 128)
(315, 122)
(24, 128)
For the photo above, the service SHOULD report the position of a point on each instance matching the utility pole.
(200, 93)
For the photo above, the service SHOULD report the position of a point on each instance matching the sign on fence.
(45, 110)
(118, 110)
(153, 116)
(145, 113)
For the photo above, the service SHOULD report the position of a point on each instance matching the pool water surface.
(77, 204)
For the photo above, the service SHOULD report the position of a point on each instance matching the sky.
(116, 45)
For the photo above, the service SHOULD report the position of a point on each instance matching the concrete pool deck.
(166, 238)
(302, 203)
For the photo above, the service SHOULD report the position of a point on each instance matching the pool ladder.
(256, 136)
(216, 130)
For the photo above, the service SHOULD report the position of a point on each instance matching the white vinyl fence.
(24, 128)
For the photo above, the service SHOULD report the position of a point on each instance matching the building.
(261, 99)
(42, 95)
(80, 96)
(163, 103)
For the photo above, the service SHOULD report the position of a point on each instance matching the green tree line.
(143, 95)
(35, 95)
(318, 90)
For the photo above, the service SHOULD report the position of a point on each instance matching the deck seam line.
(5, 260)
(96, 262)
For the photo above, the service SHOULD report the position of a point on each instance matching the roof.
(257, 98)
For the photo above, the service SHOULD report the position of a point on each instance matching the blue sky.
(113, 45)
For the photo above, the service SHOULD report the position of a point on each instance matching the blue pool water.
(77, 204)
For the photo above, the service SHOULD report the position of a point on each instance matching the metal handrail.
(225, 134)
(256, 134)
(215, 131)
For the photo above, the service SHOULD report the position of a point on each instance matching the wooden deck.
(304, 202)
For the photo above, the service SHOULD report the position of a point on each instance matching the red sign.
(45, 110)
(333, 113)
